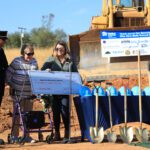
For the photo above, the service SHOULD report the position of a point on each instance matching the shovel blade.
(111, 136)
(142, 135)
(100, 134)
(92, 135)
(126, 134)
(97, 135)
(145, 135)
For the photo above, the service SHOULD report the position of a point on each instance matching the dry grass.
(40, 54)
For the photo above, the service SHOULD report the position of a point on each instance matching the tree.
(26, 38)
(42, 37)
(14, 40)
(47, 21)
(60, 35)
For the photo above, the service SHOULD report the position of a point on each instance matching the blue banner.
(124, 34)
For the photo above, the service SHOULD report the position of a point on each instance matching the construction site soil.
(6, 123)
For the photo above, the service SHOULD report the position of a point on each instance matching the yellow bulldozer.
(122, 13)
(116, 15)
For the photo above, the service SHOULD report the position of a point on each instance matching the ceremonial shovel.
(111, 136)
(141, 134)
(96, 134)
(126, 132)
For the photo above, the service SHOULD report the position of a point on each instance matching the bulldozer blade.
(126, 134)
(111, 136)
(97, 135)
(142, 135)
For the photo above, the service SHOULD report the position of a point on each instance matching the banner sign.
(57, 83)
(125, 43)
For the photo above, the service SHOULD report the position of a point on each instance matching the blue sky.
(73, 16)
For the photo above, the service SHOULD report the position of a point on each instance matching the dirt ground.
(75, 146)
(6, 122)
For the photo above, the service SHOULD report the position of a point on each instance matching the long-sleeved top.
(3, 67)
(17, 76)
(55, 65)
(3, 61)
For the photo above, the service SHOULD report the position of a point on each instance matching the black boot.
(66, 137)
(2, 142)
(57, 136)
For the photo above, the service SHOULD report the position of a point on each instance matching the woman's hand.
(48, 70)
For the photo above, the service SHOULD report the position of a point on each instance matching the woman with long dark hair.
(60, 61)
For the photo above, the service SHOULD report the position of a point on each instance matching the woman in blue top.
(60, 61)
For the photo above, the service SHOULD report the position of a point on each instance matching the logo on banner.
(104, 33)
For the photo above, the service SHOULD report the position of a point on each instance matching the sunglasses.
(59, 49)
(29, 54)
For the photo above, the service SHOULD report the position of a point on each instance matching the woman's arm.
(74, 68)
(47, 64)
(9, 73)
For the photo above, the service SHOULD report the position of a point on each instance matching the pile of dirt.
(117, 83)
(6, 112)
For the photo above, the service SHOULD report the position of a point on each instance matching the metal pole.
(22, 29)
(140, 98)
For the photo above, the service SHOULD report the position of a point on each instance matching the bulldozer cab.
(133, 17)
(121, 13)
(116, 15)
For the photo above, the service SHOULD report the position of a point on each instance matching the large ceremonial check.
(125, 43)
(64, 83)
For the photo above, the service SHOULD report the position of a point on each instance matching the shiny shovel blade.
(97, 135)
(92, 133)
(126, 134)
(142, 135)
(111, 136)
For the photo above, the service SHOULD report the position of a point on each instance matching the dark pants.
(61, 106)
(2, 86)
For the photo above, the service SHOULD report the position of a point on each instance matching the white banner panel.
(57, 83)
(125, 43)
